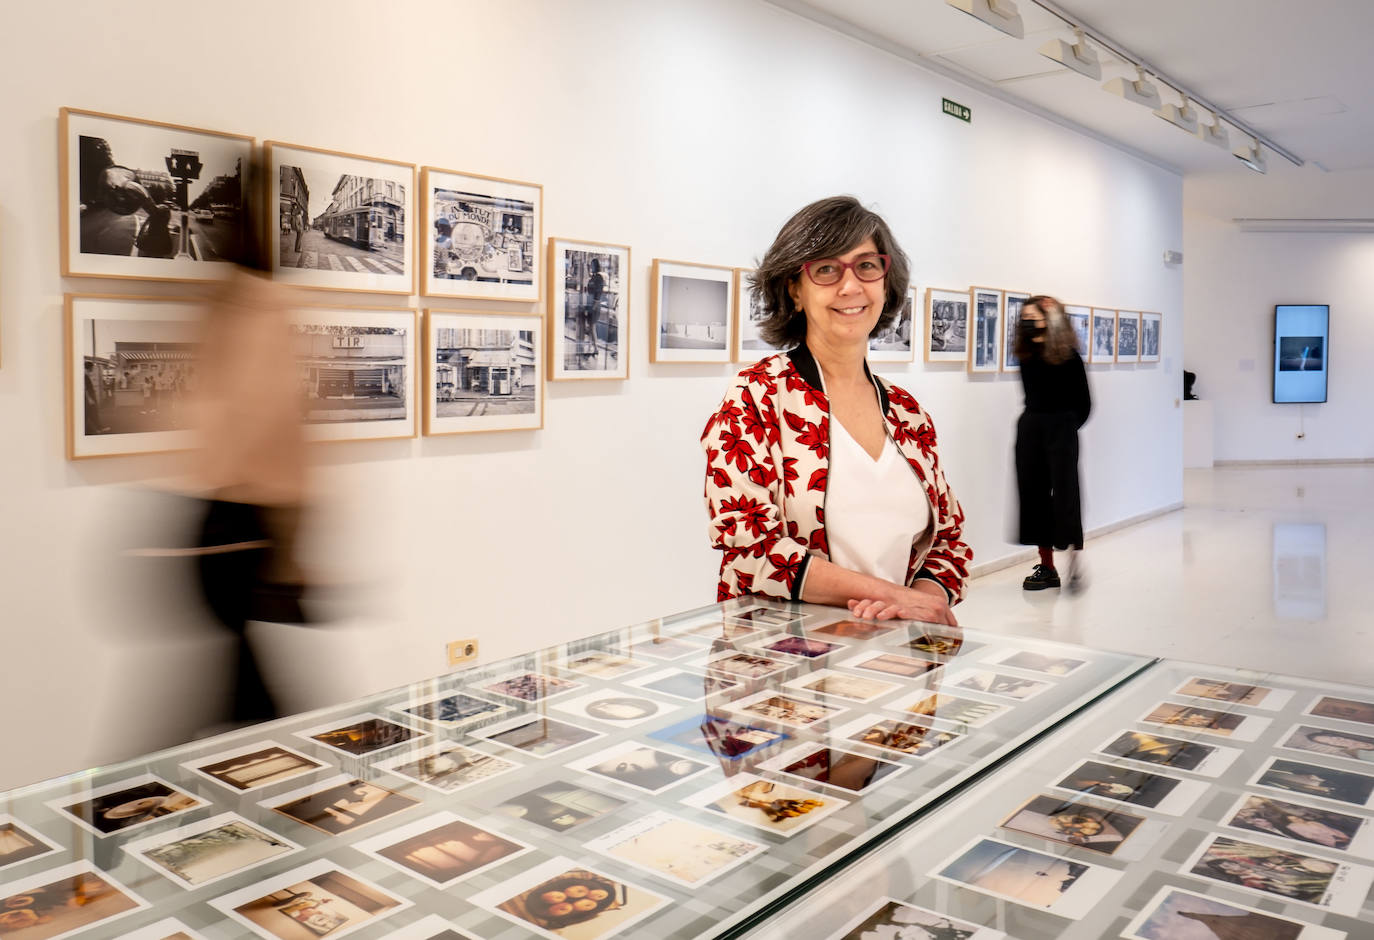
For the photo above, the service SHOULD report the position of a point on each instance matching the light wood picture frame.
(898, 342)
(985, 329)
(691, 312)
(1151, 336)
(1127, 336)
(946, 326)
(482, 236)
(1103, 347)
(339, 221)
(483, 371)
(357, 372)
(1081, 319)
(749, 345)
(588, 310)
(124, 214)
(1012, 302)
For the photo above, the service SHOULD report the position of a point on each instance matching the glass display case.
(1194, 803)
(685, 777)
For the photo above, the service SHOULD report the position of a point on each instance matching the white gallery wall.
(1234, 280)
(688, 129)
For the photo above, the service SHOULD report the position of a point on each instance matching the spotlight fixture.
(1137, 90)
(1214, 134)
(999, 14)
(1180, 115)
(1080, 57)
(1249, 153)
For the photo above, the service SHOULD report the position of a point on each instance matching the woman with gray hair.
(823, 483)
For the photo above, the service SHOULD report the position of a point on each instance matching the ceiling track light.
(1137, 90)
(1079, 57)
(1214, 134)
(999, 14)
(1250, 154)
(1181, 116)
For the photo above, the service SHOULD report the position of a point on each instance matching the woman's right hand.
(925, 601)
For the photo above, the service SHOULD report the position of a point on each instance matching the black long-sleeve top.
(1054, 388)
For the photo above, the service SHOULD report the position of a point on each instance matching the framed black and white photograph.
(1080, 318)
(1013, 301)
(985, 353)
(356, 372)
(1127, 336)
(339, 221)
(946, 333)
(1103, 346)
(750, 346)
(691, 312)
(483, 372)
(210, 850)
(146, 199)
(589, 307)
(482, 236)
(897, 343)
(1149, 336)
(130, 369)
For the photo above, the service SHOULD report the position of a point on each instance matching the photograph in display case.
(536, 735)
(691, 312)
(640, 766)
(1080, 318)
(685, 853)
(1331, 742)
(833, 767)
(613, 707)
(855, 629)
(18, 843)
(559, 807)
(913, 739)
(723, 737)
(1206, 720)
(830, 682)
(684, 685)
(750, 346)
(1330, 706)
(442, 849)
(1284, 873)
(432, 927)
(209, 851)
(481, 236)
(1210, 760)
(665, 647)
(746, 665)
(962, 712)
(892, 664)
(790, 644)
(483, 372)
(1175, 913)
(589, 305)
(531, 686)
(356, 372)
(985, 352)
(774, 807)
(1061, 886)
(789, 710)
(942, 646)
(601, 665)
(898, 919)
(1041, 662)
(1342, 786)
(168, 929)
(1300, 822)
(452, 709)
(446, 767)
(1073, 822)
(64, 901)
(1149, 337)
(361, 734)
(340, 804)
(997, 683)
(341, 221)
(1011, 321)
(127, 805)
(897, 343)
(760, 616)
(315, 900)
(253, 765)
(145, 199)
(1103, 348)
(1127, 336)
(559, 899)
(1235, 693)
(946, 332)
(1172, 795)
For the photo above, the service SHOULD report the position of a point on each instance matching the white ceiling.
(1295, 71)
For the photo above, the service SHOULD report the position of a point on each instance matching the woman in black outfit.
(1057, 404)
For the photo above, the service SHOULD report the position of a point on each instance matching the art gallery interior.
(1230, 531)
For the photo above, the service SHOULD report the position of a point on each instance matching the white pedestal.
(1197, 433)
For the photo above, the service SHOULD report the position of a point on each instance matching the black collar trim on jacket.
(806, 367)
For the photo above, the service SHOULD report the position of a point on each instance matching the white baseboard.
(1021, 556)
(1322, 462)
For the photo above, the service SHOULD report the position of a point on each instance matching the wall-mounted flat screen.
(1301, 351)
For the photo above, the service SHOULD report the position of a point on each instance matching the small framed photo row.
(482, 236)
(897, 343)
(985, 352)
(1080, 318)
(483, 372)
(1127, 336)
(946, 333)
(145, 199)
(130, 365)
(589, 303)
(1013, 301)
(691, 312)
(339, 221)
(750, 346)
(1103, 348)
(1149, 337)
(356, 372)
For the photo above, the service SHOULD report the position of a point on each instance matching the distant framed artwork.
(1013, 301)
(356, 372)
(1127, 336)
(482, 372)
(1103, 348)
(985, 350)
(1080, 318)
(691, 312)
(946, 332)
(130, 365)
(1150, 324)
(340, 221)
(482, 236)
(589, 301)
(897, 343)
(750, 346)
(150, 200)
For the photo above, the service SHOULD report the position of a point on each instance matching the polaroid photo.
(1072, 822)
(1345, 709)
(718, 735)
(896, 919)
(1041, 662)
(1330, 742)
(1282, 873)
(260, 764)
(834, 684)
(1175, 913)
(903, 737)
(614, 707)
(531, 686)
(853, 629)
(1209, 760)
(451, 709)
(665, 647)
(562, 900)
(761, 616)
(998, 684)
(537, 735)
(721, 628)
(442, 849)
(640, 767)
(340, 804)
(833, 767)
(19, 843)
(446, 767)
(683, 685)
(746, 665)
(1235, 693)
(772, 806)
(685, 853)
(125, 806)
(943, 647)
(790, 644)
(600, 664)
(319, 899)
(791, 711)
(361, 734)
(64, 901)
(168, 929)
(1232, 725)
(1171, 795)
(892, 664)
(432, 927)
(961, 712)
(210, 850)
(1340, 786)
(1060, 886)
(559, 806)
(1302, 822)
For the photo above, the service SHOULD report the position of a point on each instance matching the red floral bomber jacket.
(767, 457)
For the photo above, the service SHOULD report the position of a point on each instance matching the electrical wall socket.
(462, 651)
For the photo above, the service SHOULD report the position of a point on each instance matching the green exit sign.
(955, 109)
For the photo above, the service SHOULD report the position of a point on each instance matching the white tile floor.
(1266, 568)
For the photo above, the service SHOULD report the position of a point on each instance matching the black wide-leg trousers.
(1051, 512)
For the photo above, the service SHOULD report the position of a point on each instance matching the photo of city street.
(351, 373)
(481, 372)
(138, 375)
(341, 222)
(592, 288)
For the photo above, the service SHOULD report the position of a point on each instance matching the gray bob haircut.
(825, 229)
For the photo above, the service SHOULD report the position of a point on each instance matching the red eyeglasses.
(825, 272)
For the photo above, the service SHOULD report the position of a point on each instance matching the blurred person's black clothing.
(1057, 404)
